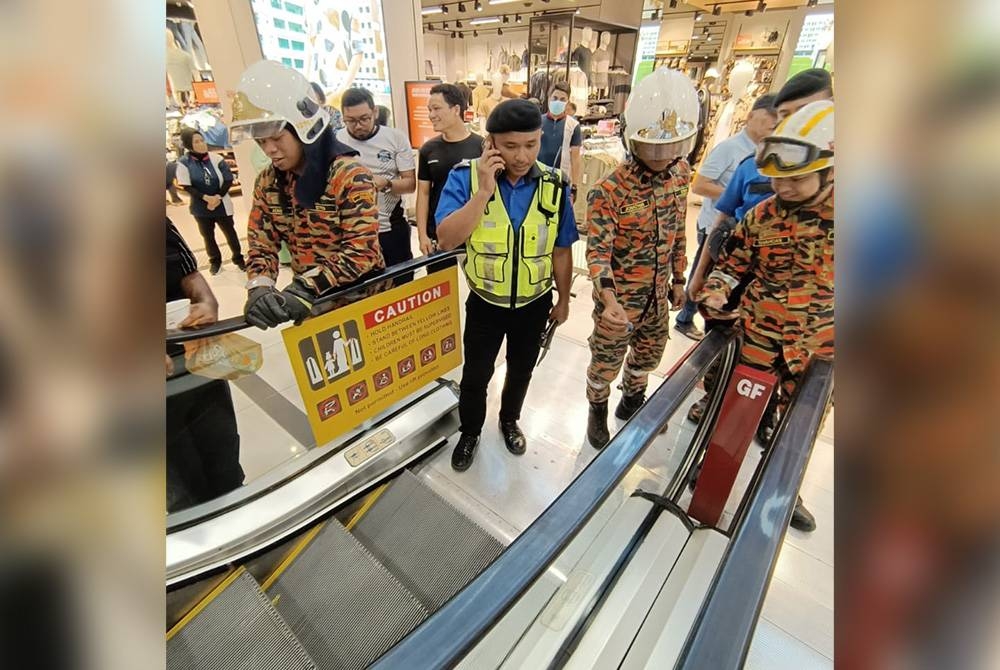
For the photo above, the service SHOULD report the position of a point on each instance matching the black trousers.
(396, 248)
(486, 326)
(203, 445)
(206, 226)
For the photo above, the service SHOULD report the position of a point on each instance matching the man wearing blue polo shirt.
(710, 182)
(515, 218)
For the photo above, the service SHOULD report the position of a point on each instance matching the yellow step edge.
(314, 531)
(204, 602)
(292, 555)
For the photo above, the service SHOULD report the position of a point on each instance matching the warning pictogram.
(448, 345)
(329, 408)
(357, 392)
(382, 378)
(406, 366)
(427, 355)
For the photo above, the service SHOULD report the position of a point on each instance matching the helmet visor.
(787, 154)
(255, 130)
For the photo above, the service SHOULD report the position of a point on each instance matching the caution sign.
(354, 362)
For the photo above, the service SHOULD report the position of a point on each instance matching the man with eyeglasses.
(387, 153)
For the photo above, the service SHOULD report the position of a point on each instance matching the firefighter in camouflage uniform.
(636, 246)
(785, 247)
(315, 196)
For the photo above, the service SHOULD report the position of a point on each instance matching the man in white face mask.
(561, 139)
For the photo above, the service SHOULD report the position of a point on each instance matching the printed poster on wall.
(420, 127)
(356, 361)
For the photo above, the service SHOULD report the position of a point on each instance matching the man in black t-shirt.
(446, 107)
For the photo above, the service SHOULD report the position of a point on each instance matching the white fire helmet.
(270, 96)
(661, 116)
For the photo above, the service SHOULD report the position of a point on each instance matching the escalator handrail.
(442, 639)
(235, 323)
(721, 636)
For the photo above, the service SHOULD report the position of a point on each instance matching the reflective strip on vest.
(495, 259)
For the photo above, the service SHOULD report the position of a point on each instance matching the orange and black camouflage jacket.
(789, 258)
(636, 239)
(331, 244)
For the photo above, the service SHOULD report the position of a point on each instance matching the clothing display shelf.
(552, 41)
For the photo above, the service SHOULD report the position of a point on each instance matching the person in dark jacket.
(207, 178)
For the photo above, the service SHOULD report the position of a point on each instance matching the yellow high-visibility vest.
(508, 269)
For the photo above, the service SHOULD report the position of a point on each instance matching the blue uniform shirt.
(719, 166)
(738, 198)
(516, 199)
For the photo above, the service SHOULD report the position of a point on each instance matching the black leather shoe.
(629, 405)
(214, 267)
(597, 425)
(697, 410)
(464, 452)
(513, 437)
(802, 519)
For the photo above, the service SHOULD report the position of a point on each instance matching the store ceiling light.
(506, 19)
(499, 31)
(812, 3)
(458, 24)
(427, 11)
(475, 33)
(444, 8)
(673, 4)
(479, 6)
(445, 25)
(453, 35)
(697, 16)
(517, 17)
(656, 15)
(716, 10)
(461, 36)
(761, 6)
(461, 7)
(749, 12)
(484, 20)
(704, 31)
(503, 2)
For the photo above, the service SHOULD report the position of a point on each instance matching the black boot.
(513, 437)
(464, 452)
(802, 519)
(597, 425)
(629, 405)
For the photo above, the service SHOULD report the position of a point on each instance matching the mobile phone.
(487, 145)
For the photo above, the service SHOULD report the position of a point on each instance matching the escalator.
(380, 569)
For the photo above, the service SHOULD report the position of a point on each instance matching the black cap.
(514, 116)
(805, 83)
(765, 101)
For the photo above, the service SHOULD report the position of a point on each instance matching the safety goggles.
(256, 130)
(788, 154)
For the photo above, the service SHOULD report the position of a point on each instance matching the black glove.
(265, 307)
(298, 301)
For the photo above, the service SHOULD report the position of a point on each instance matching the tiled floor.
(507, 493)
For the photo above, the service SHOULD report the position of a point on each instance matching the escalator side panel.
(343, 605)
(431, 547)
(238, 630)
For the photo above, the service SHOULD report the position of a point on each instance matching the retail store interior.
(733, 52)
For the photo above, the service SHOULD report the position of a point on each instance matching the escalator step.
(344, 607)
(238, 630)
(431, 547)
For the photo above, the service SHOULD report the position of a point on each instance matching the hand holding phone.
(490, 166)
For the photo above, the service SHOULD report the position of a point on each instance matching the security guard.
(515, 218)
(785, 246)
(315, 196)
(636, 245)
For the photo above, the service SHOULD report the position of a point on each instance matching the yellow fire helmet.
(661, 116)
(801, 144)
(270, 96)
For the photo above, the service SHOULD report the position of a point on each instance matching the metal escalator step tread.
(430, 546)
(238, 630)
(344, 607)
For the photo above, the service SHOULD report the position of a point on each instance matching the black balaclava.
(312, 183)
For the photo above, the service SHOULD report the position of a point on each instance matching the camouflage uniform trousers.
(644, 347)
(765, 353)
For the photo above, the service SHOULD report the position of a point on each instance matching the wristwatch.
(388, 186)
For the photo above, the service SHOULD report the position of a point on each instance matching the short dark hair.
(514, 116)
(452, 95)
(765, 102)
(357, 96)
(560, 86)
